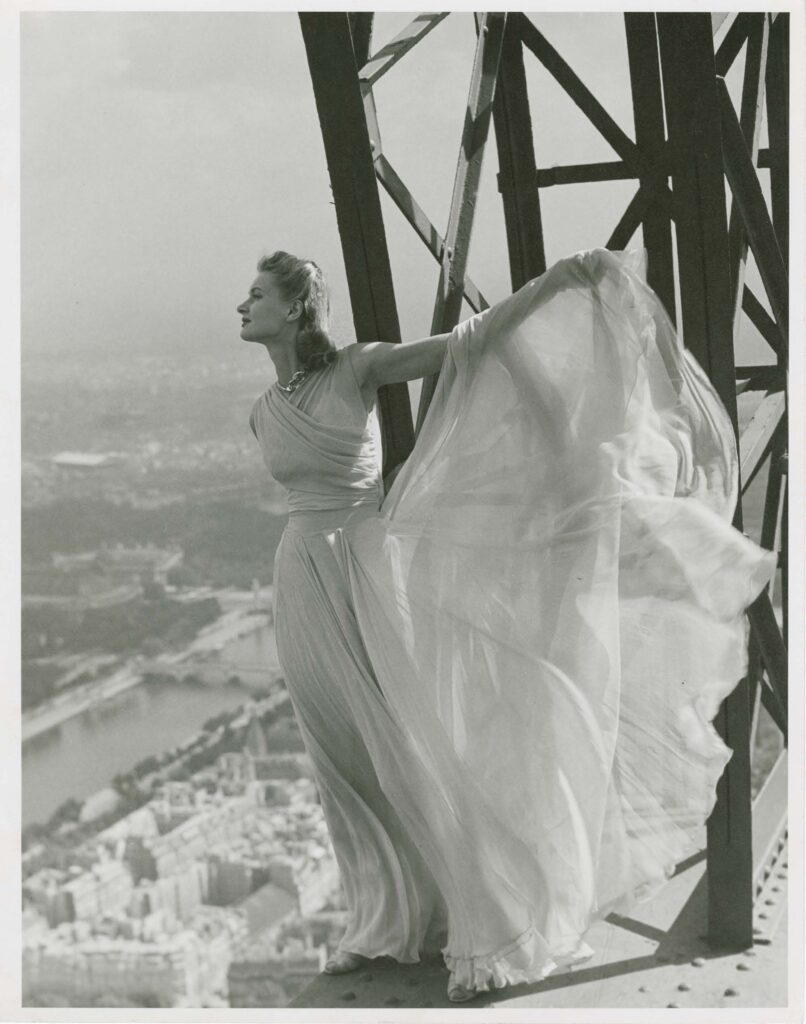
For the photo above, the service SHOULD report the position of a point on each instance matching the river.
(84, 753)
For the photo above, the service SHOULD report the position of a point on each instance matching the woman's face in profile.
(265, 312)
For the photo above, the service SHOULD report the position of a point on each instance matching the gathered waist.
(305, 521)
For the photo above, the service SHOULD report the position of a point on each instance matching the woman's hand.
(377, 363)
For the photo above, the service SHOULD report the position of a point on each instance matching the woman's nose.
(241, 309)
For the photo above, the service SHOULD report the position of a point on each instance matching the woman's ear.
(294, 310)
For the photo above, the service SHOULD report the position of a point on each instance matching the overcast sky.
(162, 153)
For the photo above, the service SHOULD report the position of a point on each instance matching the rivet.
(698, 961)
(776, 888)
(348, 996)
(769, 903)
(743, 967)
(683, 987)
(673, 1006)
(730, 992)
(763, 916)
(749, 952)
(642, 988)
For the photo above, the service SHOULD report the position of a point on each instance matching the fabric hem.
(523, 961)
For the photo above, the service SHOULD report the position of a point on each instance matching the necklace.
(294, 383)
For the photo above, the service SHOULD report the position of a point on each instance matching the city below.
(175, 853)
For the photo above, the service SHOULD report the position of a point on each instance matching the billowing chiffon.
(506, 675)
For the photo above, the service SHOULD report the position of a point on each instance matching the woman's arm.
(377, 362)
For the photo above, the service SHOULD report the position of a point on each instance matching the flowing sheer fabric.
(506, 676)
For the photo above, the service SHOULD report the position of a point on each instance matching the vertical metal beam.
(785, 553)
(334, 74)
(755, 64)
(450, 291)
(517, 177)
(777, 91)
(695, 158)
(361, 31)
(647, 99)
(693, 119)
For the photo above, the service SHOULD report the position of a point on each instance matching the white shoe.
(343, 963)
(459, 994)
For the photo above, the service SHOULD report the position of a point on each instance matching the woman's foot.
(459, 994)
(343, 963)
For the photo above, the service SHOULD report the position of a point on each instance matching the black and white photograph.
(403, 576)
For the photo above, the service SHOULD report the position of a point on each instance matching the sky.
(163, 153)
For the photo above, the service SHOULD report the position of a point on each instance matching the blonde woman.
(505, 669)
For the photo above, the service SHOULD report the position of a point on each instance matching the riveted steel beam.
(693, 119)
(450, 289)
(647, 99)
(332, 62)
(392, 52)
(518, 177)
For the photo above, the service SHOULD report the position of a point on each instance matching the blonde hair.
(303, 280)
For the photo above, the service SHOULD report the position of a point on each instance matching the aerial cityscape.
(174, 849)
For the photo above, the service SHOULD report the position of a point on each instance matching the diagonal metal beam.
(389, 55)
(564, 74)
(731, 45)
(749, 198)
(448, 305)
(771, 645)
(777, 92)
(423, 227)
(761, 320)
(757, 436)
(769, 820)
(633, 216)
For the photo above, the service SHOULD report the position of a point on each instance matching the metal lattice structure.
(691, 152)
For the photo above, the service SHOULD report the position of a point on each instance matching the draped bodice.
(323, 445)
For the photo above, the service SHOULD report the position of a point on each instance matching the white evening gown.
(505, 671)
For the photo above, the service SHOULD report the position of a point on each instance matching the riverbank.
(244, 612)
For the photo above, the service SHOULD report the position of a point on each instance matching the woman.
(505, 670)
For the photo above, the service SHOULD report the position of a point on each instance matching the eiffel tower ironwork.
(689, 141)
